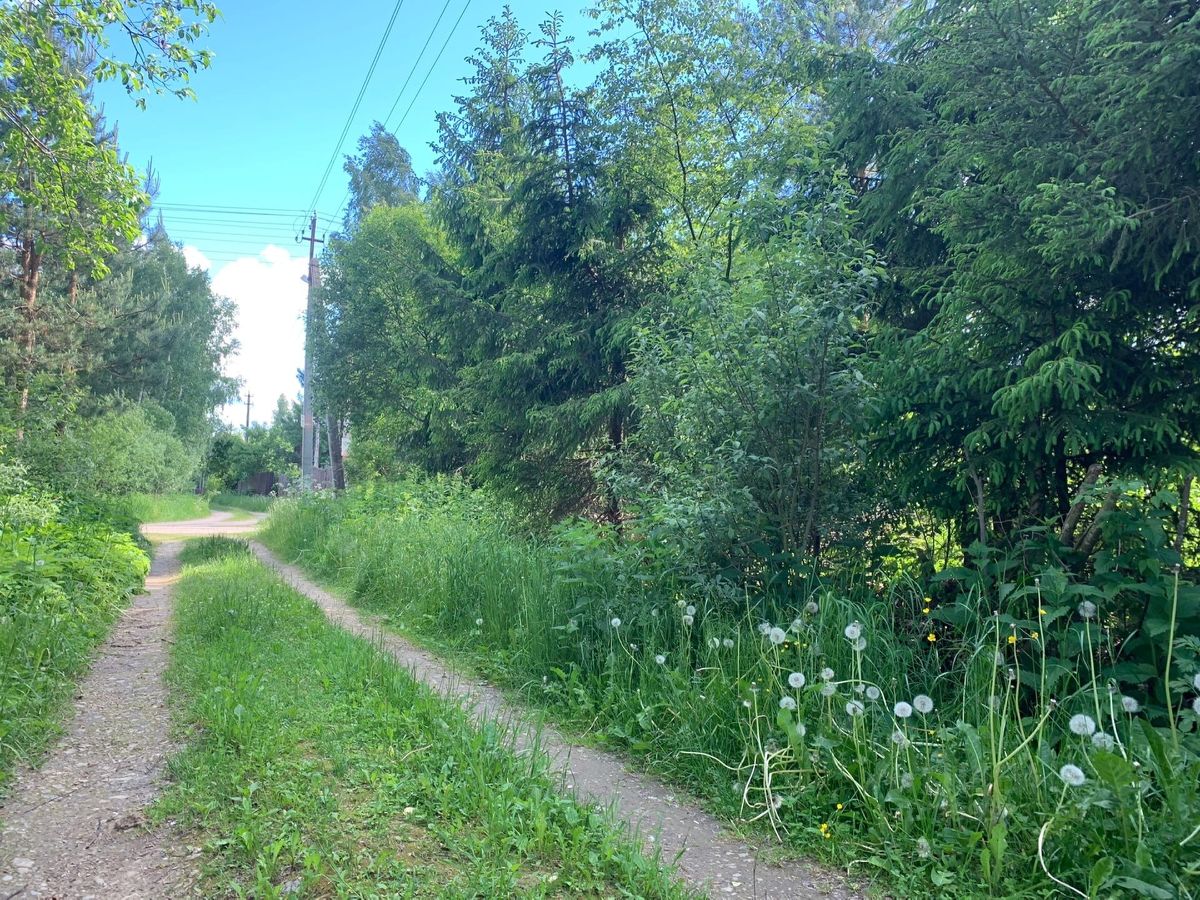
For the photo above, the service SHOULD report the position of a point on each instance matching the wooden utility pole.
(247, 410)
(306, 439)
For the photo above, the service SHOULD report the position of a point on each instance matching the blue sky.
(237, 165)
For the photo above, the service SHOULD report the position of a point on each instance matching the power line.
(337, 149)
(424, 81)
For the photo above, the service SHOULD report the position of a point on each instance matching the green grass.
(242, 502)
(315, 762)
(956, 801)
(164, 507)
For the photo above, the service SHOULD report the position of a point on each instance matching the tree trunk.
(333, 429)
(31, 272)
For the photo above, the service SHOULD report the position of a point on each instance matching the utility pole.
(306, 439)
(247, 410)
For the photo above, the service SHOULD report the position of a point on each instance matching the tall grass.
(321, 765)
(243, 502)
(162, 507)
(914, 750)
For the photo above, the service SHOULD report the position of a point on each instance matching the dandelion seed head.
(1087, 609)
(1102, 741)
(776, 801)
(859, 644)
(689, 621)
(801, 730)
(714, 643)
(902, 710)
(478, 622)
(689, 610)
(797, 680)
(828, 689)
(787, 703)
(811, 608)
(854, 708)
(923, 849)
(1082, 725)
(654, 612)
(853, 631)
(660, 659)
(796, 623)
(1072, 775)
(906, 780)
(764, 628)
(827, 674)
(923, 704)
(680, 603)
(872, 692)
(727, 643)
(616, 622)
(777, 636)
(860, 688)
(899, 738)
(1130, 705)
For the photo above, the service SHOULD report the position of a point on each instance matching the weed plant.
(956, 753)
(163, 507)
(318, 767)
(243, 502)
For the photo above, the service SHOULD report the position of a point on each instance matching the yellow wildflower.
(931, 637)
(1012, 638)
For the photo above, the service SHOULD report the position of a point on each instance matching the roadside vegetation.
(242, 502)
(317, 766)
(165, 507)
(943, 744)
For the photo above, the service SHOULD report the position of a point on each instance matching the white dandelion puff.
(923, 849)
(854, 708)
(923, 704)
(1130, 705)
(853, 631)
(777, 636)
(899, 738)
(681, 603)
(902, 710)
(727, 643)
(1087, 609)
(1072, 775)
(616, 622)
(714, 643)
(801, 730)
(906, 780)
(828, 689)
(764, 628)
(796, 624)
(660, 659)
(860, 688)
(1082, 725)
(787, 703)
(654, 612)
(872, 692)
(827, 674)
(690, 610)
(1102, 741)
(811, 608)
(478, 622)
(797, 680)
(859, 644)
(688, 621)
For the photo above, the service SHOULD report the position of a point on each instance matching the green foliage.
(319, 759)
(199, 551)
(244, 502)
(596, 630)
(165, 507)
(63, 581)
(232, 457)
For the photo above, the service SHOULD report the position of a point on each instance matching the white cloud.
(270, 298)
(196, 259)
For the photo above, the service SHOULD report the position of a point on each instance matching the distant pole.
(306, 439)
(247, 410)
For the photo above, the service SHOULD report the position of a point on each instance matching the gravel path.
(708, 856)
(76, 827)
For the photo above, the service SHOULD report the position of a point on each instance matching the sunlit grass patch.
(315, 763)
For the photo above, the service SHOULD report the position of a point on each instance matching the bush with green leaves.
(955, 745)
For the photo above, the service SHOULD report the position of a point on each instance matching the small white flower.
(902, 710)
(616, 622)
(660, 659)
(923, 704)
(727, 643)
(1130, 705)
(872, 692)
(1103, 741)
(1072, 775)
(828, 689)
(777, 636)
(854, 708)
(797, 680)
(690, 610)
(688, 621)
(923, 849)
(827, 674)
(811, 607)
(478, 622)
(853, 631)
(787, 703)
(1087, 609)
(1082, 725)
(633, 647)
(764, 628)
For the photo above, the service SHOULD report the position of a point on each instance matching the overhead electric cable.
(357, 103)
